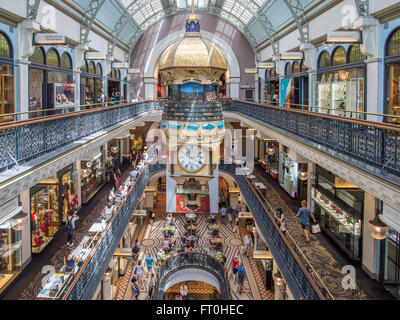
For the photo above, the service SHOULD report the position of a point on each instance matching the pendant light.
(303, 172)
(379, 229)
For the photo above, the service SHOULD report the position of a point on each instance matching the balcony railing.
(24, 140)
(370, 146)
(83, 284)
(197, 260)
(298, 274)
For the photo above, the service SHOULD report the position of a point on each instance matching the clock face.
(191, 158)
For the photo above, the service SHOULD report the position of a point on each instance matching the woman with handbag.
(139, 272)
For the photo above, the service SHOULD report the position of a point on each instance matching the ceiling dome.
(192, 52)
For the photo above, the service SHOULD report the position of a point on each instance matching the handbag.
(316, 228)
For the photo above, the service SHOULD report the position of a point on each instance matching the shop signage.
(292, 55)
(120, 65)
(266, 65)
(133, 71)
(250, 71)
(341, 183)
(49, 38)
(95, 56)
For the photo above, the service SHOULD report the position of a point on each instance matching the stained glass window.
(84, 67)
(303, 67)
(324, 60)
(99, 69)
(394, 44)
(355, 54)
(52, 58)
(296, 67)
(66, 61)
(5, 48)
(288, 69)
(339, 56)
(92, 67)
(38, 56)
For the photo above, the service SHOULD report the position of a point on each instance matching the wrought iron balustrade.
(194, 260)
(370, 146)
(296, 273)
(84, 283)
(22, 141)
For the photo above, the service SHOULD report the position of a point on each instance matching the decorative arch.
(99, 69)
(92, 67)
(296, 67)
(354, 54)
(38, 56)
(84, 67)
(6, 50)
(393, 43)
(52, 58)
(288, 69)
(339, 56)
(66, 61)
(324, 60)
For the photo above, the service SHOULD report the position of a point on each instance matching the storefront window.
(36, 80)
(99, 69)
(339, 56)
(68, 196)
(7, 105)
(92, 68)
(393, 79)
(288, 69)
(45, 218)
(392, 272)
(38, 56)
(66, 62)
(84, 68)
(52, 58)
(61, 89)
(296, 67)
(288, 174)
(92, 176)
(271, 87)
(10, 252)
(355, 54)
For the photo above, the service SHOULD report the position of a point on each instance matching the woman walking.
(139, 272)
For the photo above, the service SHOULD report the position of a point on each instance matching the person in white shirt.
(246, 244)
(160, 254)
(108, 211)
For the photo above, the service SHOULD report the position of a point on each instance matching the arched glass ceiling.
(261, 21)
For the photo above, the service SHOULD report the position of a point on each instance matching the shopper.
(152, 283)
(184, 290)
(235, 262)
(149, 262)
(304, 214)
(135, 289)
(70, 226)
(223, 212)
(136, 249)
(280, 219)
(139, 272)
(241, 275)
(236, 227)
(117, 98)
(246, 244)
(69, 261)
(230, 212)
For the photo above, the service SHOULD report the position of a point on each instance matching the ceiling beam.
(88, 18)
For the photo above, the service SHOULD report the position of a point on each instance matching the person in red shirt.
(235, 262)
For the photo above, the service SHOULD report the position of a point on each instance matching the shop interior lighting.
(379, 229)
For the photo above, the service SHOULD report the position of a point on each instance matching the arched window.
(355, 54)
(273, 73)
(288, 68)
(99, 69)
(296, 67)
(324, 60)
(303, 67)
(118, 74)
(38, 56)
(92, 67)
(5, 47)
(84, 67)
(52, 58)
(394, 44)
(66, 61)
(339, 56)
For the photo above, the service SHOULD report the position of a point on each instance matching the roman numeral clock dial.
(191, 158)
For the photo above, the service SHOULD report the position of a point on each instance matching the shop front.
(338, 207)
(340, 85)
(269, 160)
(271, 86)
(114, 83)
(93, 175)
(91, 83)
(7, 99)
(392, 66)
(11, 227)
(51, 83)
(50, 202)
(294, 88)
(289, 178)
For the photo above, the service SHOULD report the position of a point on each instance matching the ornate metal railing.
(22, 141)
(197, 260)
(84, 283)
(295, 272)
(370, 146)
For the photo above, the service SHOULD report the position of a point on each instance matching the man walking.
(304, 214)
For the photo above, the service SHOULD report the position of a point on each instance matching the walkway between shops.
(325, 257)
(29, 285)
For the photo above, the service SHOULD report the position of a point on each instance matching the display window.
(92, 176)
(10, 252)
(392, 261)
(392, 60)
(91, 83)
(294, 89)
(338, 207)
(68, 197)
(45, 217)
(271, 86)
(114, 83)
(61, 89)
(7, 99)
(288, 174)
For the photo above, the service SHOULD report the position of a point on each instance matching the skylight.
(238, 10)
(145, 12)
(187, 4)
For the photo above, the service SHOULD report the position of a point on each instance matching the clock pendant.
(191, 158)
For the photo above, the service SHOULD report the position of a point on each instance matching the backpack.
(241, 273)
(69, 228)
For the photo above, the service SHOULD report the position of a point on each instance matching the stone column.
(374, 86)
(370, 245)
(235, 88)
(22, 102)
(107, 290)
(149, 197)
(149, 87)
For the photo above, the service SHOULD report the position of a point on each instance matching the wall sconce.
(379, 229)
(278, 279)
(303, 172)
(270, 150)
(19, 221)
(114, 149)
